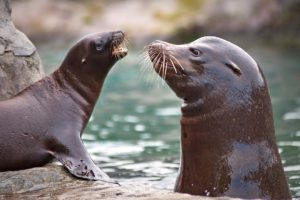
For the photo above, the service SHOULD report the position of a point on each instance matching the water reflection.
(168, 111)
(292, 115)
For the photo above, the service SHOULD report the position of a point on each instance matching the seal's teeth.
(119, 51)
(119, 48)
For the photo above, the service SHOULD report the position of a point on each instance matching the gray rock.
(20, 64)
(53, 182)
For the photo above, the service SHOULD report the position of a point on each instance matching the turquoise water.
(134, 133)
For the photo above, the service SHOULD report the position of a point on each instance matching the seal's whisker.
(153, 53)
(177, 61)
(145, 62)
(143, 53)
(160, 67)
(166, 68)
(147, 68)
(165, 71)
(144, 57)
(156, 59)
(152, 78)
(151, 57)
(147, 49)
(163, 65)
(119, 47)
(156, 65)
(152, 49)
(117, 55)
(173, 65)
(126, 41)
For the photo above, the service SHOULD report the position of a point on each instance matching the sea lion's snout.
(119, 47)
(165, 62)
(118, 34)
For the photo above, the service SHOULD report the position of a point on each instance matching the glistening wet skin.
(227, 109)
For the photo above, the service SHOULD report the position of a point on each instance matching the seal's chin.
(119, 49)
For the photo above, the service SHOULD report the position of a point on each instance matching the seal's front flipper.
(78, 162)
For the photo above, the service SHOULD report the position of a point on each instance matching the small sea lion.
(228, 145)
(46, 120)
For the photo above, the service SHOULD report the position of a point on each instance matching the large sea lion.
(46, 120)
(228, 145)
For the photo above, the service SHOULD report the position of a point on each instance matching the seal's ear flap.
(234, 68)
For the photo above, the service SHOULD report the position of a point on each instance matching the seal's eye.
(99, 45)
(196, 52)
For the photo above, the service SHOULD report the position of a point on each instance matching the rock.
(53, 182)
(20, 64)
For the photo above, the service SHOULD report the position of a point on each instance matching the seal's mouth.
(119, 47)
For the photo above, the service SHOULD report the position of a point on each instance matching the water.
(134, 132)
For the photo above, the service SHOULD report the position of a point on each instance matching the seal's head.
(228, 145)
(96, 53)
(209, 71)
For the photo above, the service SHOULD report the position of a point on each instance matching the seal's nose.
(158, 45)
(161, 42)
(118, 34)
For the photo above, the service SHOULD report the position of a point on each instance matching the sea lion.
(46, 120)
(228, 145)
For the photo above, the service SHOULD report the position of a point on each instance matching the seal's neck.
(203, 141)
(81, 89)
(212, 144)
(83, 93)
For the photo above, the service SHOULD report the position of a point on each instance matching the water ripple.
(88, 137)
(152, 168)
(171, 111)
(114, 148)
(131, 119)
(292, 115)
(292, 168)
(139, 128)
(293, 143)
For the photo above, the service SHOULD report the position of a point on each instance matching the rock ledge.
(53, 182)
